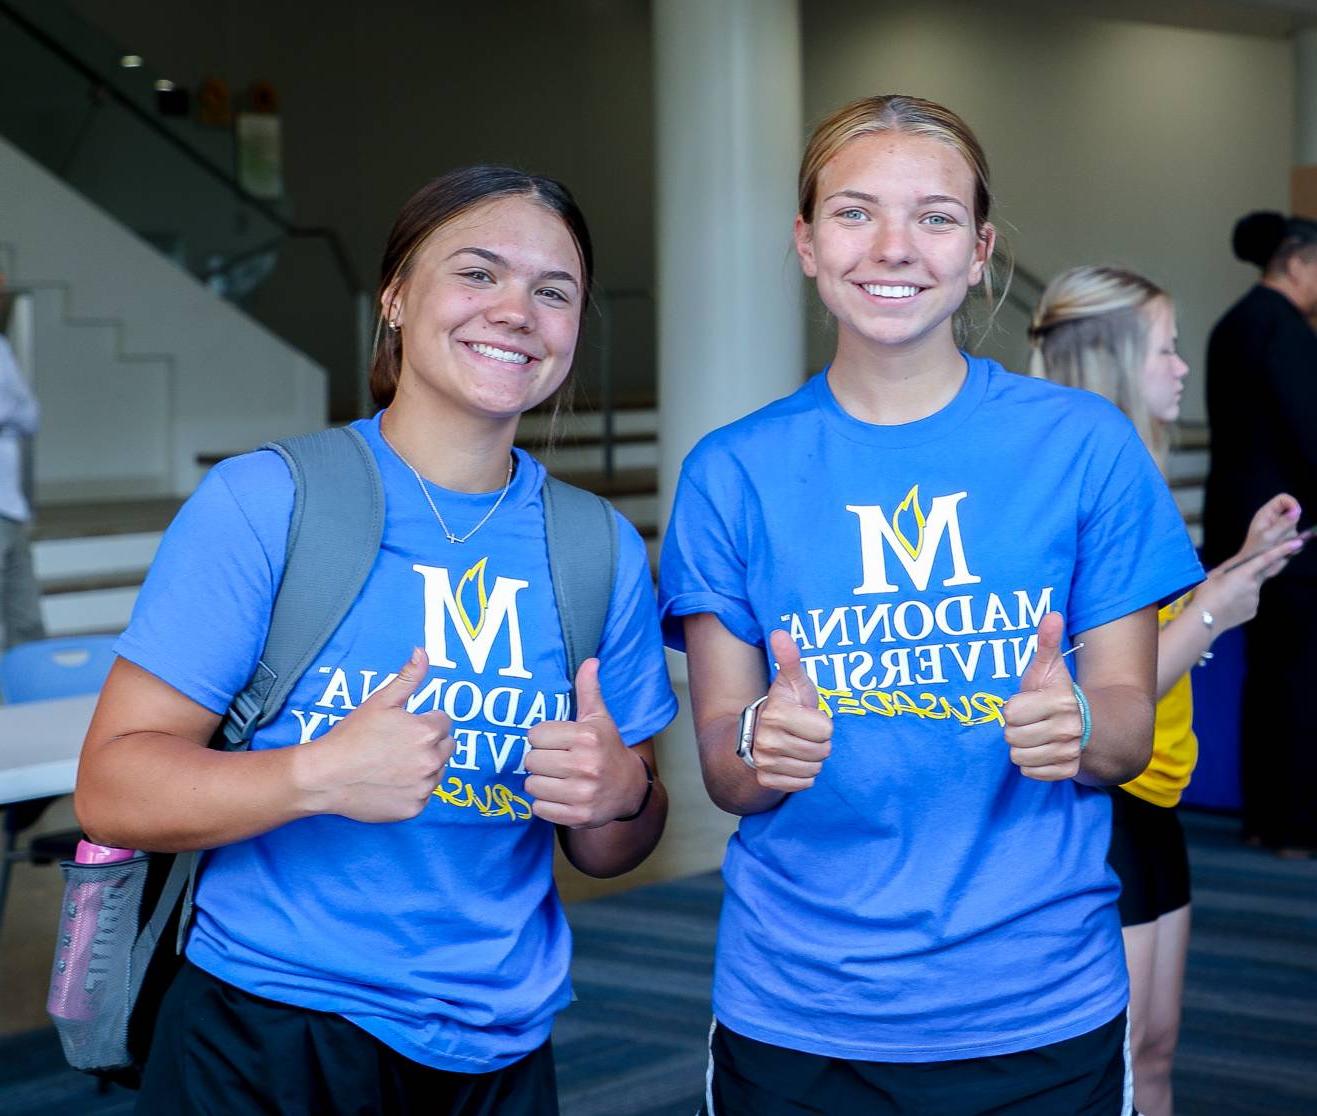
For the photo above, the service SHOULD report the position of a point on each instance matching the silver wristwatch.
(745, 742)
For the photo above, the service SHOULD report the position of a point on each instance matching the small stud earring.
(393, 325)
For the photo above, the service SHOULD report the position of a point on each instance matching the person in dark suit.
(1262, 407)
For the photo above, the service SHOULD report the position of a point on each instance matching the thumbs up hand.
(1043, 722)
(380, 763)
(581, 774)
(792, 735)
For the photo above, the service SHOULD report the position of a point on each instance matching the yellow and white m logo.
(477, 615)
(914, 538)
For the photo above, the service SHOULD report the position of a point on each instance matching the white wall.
(168, 369)
(1109, 141)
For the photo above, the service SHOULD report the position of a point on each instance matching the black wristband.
(649, 792)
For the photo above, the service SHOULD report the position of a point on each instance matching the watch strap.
(745, 742)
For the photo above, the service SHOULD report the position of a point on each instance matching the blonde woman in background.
(1113, 332)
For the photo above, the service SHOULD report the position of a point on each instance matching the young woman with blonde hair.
(875, 580)
(1113, 332)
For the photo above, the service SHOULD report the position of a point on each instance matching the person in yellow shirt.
(1113, 332)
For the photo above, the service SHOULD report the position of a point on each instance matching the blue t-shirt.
(923, 901)
(443, 936)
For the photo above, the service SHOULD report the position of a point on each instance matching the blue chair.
(38, 671)
(55, 668)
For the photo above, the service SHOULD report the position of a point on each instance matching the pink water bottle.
(75, 976)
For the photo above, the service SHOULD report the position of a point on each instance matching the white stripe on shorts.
(1127, 1101)
(708, 1076)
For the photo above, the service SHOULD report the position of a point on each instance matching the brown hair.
(1090, 330)
(432, 206)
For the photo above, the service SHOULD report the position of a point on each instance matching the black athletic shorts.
(1083, 1076)
(220, 1051)
(1149, 854)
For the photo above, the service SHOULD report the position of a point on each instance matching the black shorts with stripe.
(1084, 1076)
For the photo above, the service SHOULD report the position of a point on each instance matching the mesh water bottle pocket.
(92, 974)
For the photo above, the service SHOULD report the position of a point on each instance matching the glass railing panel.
(107, 142)
(92, 49)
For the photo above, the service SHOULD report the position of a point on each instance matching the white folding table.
(40, 742)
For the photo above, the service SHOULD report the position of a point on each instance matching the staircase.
(580, 456)
(1187, 474)
(107, 411)
(91, 558)
(124, 235)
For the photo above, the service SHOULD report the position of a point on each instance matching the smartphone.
(1307, 533)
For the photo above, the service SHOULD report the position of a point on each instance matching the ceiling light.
(130, 61)
(164, 85)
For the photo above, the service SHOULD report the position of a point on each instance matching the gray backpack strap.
(333, 539)
(177, 884)
(581, 531)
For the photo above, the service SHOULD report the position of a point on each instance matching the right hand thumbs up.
(380, 763)
(394, 693)
(793, 736)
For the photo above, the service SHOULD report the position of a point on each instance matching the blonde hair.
(1090, 330)
(912, 116)
(892, 112)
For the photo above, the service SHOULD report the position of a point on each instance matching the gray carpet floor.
(634, 1043)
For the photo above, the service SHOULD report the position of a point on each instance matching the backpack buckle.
(241, 721)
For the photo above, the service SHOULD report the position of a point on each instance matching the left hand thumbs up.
(580, 773)
(1043, 722)
(589, 694)
(1046, 665)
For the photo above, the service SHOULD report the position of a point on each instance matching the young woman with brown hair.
(377, 928)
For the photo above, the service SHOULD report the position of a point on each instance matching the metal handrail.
(604, 300)
(339, 253)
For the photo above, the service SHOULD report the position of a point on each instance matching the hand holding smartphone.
(1303, 536)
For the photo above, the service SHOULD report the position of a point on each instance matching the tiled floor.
(634, 1043)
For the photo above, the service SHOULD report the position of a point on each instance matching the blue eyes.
(932, 220)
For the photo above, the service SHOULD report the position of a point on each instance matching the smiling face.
(892, 241)
(1162, 379)
(490, 309)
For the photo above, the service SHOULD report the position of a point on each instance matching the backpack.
(338, 508)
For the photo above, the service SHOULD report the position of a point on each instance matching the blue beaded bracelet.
(1086, 715)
